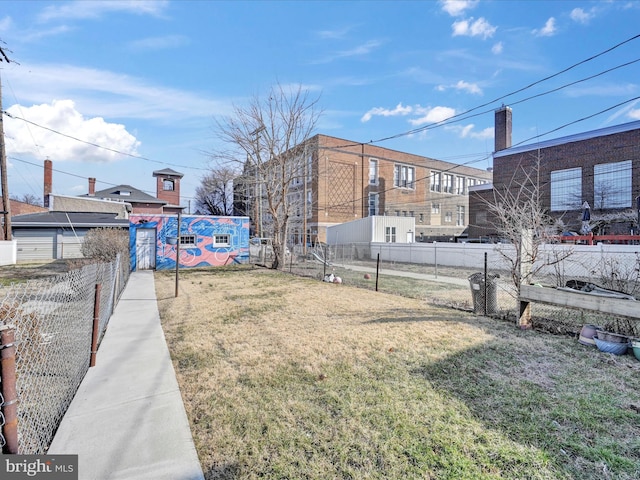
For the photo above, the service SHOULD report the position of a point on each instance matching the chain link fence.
(53, 319)
(479, 278)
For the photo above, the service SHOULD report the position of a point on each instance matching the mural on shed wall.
(206, 240)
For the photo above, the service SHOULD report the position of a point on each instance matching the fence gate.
(145, 248)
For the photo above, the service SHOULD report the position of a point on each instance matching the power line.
(85, 178)
(138, 157)
(464, 115)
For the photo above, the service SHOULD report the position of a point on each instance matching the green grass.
(320, 381)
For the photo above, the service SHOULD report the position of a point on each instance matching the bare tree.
(29, 198)
(214, 195)
(520, 218)
(267, 138)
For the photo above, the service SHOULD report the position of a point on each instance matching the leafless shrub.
(104, 244)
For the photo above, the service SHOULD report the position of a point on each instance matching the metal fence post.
(9, 390)
(96, 325)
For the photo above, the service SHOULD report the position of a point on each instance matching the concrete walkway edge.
(127, 420)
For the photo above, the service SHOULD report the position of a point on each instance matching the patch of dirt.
(31, 271)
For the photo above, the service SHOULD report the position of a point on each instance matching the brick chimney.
(48, 181)
(502, 131)
(92, 187)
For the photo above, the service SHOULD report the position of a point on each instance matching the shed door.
(145, 248)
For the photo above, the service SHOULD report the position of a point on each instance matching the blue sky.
(148, 79)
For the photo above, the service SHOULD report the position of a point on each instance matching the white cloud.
(96, 8)
(5, 24)
(160, 43)
(548, 30)
(384, 112)
(466, 131)
(580, 16)
(107, 94)
(432, 115)
(462, 86)
(357, 51)
(471, 28)
(497, 48)
(63, 117)
(634, 114)
(457, 7)
(334, 34)
(468, 87)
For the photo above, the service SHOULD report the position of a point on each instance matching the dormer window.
(167, 185)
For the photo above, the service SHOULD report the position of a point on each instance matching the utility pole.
(3, 164)
(258, 192)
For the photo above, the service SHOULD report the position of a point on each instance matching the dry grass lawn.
(287, 377)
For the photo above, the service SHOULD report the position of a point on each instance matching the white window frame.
(373, 171)
(221, 240)
(460, 213)
(373, 201)
(435, 181)
(188, 241)
(404, 176)
(390, 234)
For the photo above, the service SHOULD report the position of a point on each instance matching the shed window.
(188, 240)
(221, 240)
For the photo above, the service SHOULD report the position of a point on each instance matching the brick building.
(167, 199)
(600, 167)
(345, 180)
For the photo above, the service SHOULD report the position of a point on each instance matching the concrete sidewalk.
(127, 420)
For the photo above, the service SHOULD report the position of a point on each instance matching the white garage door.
(35, 245)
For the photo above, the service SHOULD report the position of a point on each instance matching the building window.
(404, 176)
(471, 182)
(421, 218)
(448, 216)
(188, 241)
(373, 171)
(390, 234)
(434, 181)
(460, 215)
(566, 189)
(373, 204)
(167, 185)
(435, 209)
(221, 240)
(612, 185)
(461, 185)
(447, 183)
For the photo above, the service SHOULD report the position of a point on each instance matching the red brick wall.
(341, 180)
(509, 170)
(170, 196)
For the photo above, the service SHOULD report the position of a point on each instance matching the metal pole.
(3, 175)
(485, 284)
(178, 253)
(324, 263)
(377, 270)
(9, 391)
(96, 325)
(435, 256)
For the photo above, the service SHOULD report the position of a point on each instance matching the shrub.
(105, 244)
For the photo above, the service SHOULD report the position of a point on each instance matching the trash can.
(485, 297)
